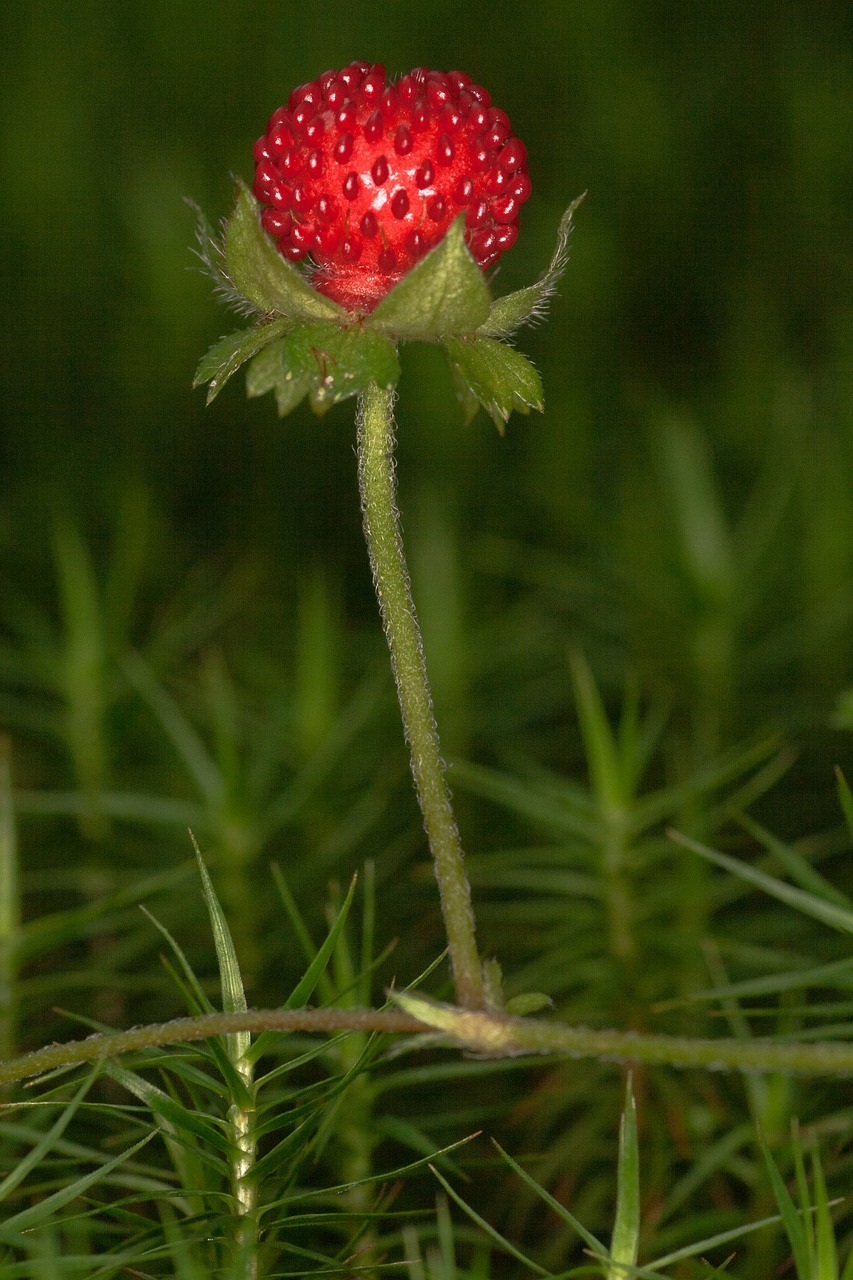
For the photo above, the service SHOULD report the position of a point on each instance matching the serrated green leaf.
(444, 295)
(501, 378)
(517, 308)
(262, 275)
(338, 362)
(221, 361)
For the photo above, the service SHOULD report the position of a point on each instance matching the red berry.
(363, 177)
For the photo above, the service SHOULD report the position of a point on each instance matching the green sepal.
(270, 371)
(527, 304)
(444, 294)
(259, 272)
(498, 376)
(221, 361)
(324, 362)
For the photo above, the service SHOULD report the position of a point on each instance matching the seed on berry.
(505, 208)
(477, 214)
(343, 148)
(505, 237)
(302, 236)
(512, 156)
(281, 113)
(314, 164)
(352, 185)
(421, 118)
(276, 223)
(478, 117)
(372, 87)
(403, 140)
(337, 94)
(291, 163)
(369, 225)
(346, 117)
(389, 103)
(303, 198)
(407, 89)
(520, 187)
(314, 131)
(291, 251)
(424, 176)
(445, 150)
(482, 95)
(463, 190)
(374, 126)
(416, 244)
(399, 204)
(279, 139)
(325, 241)
(265, 175)
(437, 208)
(304, 113)
(261, 150)
(481, 157)
(379, 170)
(351, 249)
(483, 242)
(450, 118)
(498, 127)
(438, 91)
(351, 76)
(300, 93)
(327, 209)
(279, 195)
(496, 181)
(387, 260)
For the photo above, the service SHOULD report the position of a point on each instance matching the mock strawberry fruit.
(363, 178)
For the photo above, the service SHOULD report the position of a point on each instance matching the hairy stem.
(377, 484)
(492, 1034)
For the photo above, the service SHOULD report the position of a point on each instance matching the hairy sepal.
(259, 272)
(530, 304)
(443, 295)
(221, 361)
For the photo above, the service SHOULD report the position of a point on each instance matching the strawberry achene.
(363, 177)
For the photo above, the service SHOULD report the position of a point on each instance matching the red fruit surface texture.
(362, 177)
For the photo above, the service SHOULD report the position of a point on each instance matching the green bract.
(303, 344)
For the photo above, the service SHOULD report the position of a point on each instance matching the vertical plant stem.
(242, 1123)
(377, 484)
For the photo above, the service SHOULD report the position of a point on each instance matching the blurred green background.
(682, 513)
